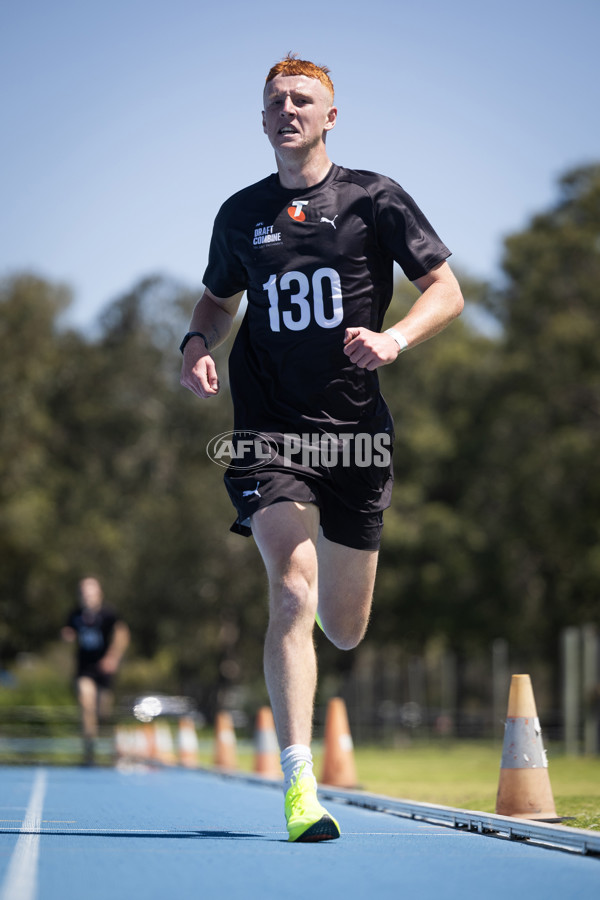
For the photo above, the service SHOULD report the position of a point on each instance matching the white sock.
(293, 759)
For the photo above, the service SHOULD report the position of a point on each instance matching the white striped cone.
(163, 743)
(524, 789)
(187, 743)
(143, 744)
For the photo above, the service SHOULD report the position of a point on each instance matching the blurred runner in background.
(102, 638)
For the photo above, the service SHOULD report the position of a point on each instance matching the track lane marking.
(21, 877)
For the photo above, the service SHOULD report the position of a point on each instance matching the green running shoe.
(308, 821)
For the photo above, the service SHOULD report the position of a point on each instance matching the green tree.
(32, 351)
(542, 467)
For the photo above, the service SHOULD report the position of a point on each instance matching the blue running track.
(102, 834)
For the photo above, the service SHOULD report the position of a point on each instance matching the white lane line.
(21, 878)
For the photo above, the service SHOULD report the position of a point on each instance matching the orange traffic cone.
(164, 751)
(266, 748)
(146, 743)
(141, 744)
(225, 744)
(338, 759)
(524, 788)
(187, 743)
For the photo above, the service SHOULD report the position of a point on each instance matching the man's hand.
(108, 664)
(198, 372)
(369, 349)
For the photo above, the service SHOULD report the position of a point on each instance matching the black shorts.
(103, 680)
(351, 500)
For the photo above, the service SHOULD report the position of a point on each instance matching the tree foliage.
(543, 462)
(494, 528)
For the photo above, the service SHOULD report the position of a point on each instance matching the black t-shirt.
(313, 262)
(94, 633)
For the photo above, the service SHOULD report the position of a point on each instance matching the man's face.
(298, 110)
(90, 593)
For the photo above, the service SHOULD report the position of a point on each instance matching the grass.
(465, 775)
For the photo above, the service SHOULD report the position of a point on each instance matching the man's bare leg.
(105, 705)
(286, 535)
(306, 570)
(87, 695)
(303, 565)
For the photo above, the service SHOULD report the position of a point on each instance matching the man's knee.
(345, 614)
(343, 633)
(293, 591)
(347, 640)
(87, 692)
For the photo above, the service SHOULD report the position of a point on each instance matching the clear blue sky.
(127, 122)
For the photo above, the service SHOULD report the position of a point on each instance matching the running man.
(102, 638)
(313, 247)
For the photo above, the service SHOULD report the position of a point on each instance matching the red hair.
(291, 65)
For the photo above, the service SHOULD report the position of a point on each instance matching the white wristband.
(398, 337)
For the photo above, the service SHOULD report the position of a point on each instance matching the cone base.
(339, 778)
(268, 769)
(266, 747)
(526, 794)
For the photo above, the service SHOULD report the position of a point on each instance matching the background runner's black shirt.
(313, 262)
(94, 633)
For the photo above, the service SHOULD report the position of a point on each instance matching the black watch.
(192, 334)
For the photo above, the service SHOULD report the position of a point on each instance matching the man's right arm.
(213, 318)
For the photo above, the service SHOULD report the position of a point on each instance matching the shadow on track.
(132, 833)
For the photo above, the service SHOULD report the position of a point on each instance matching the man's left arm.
(118, 645)
(440, 302)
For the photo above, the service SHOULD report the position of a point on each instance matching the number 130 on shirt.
(300, 316)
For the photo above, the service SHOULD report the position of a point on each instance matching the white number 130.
(299, 318)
